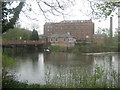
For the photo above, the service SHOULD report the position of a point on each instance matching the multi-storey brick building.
(80, 29)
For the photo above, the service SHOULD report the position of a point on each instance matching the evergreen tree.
(34, 35)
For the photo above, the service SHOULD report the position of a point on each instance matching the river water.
(39, 67)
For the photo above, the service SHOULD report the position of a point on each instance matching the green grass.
(82, 47)
(6, 60)
(55, 48)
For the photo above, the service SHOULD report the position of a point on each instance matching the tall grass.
(74, 78)
(6, 60)
(77, 78)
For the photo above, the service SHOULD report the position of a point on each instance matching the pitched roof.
(75, 21)
(61, 35)
(70, 21)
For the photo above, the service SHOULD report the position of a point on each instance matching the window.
(50, 26)
(56, 27)
(82, 32)
(87, 36)
(61, 27)
(76, 27)
(66, 27)
(70, 39)
(56, 39)
(64, 39)
(82, 26)
(71, 27)
(51, 39)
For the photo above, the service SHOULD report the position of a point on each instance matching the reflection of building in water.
(68, 60)
(41, 68)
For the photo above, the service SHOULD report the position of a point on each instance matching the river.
(39, 67)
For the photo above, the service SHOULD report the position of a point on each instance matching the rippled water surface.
(38, 67)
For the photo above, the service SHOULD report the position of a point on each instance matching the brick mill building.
(81, 30)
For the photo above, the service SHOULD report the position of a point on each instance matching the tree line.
(21, 34)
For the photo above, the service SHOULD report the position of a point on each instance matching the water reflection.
(35, 67)
(108, 62)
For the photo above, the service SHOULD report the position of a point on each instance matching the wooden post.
(118, 47)
(111, 26)
(119, 18)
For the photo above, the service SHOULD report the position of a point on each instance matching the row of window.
(69, 39)
(72, 32)
(66, 27)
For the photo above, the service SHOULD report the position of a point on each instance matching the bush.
(55, 48)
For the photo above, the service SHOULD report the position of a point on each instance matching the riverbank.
(93, 48)
(73, 78)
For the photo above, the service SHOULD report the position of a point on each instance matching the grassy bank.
(83, 47)
(7, 60)
(73, 78)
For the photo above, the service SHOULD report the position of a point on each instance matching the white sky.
(75, 14)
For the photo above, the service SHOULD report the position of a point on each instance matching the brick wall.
(79, 30)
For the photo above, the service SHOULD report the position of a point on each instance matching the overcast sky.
(77, 12)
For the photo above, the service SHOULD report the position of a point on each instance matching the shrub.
(55, 48)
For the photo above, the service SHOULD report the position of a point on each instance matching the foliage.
(55, 48)
(34, 35)
(81, 43)
(76, 78)
(106, 8)
(89, 48)
(72, 78)
(55, 8)
(104, 31)
(9, 82)
(103, 8)
(24, 34)
(110, 45)
(7, 12)
(6, 60)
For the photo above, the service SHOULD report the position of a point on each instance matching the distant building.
(82, 30)
(62, 39)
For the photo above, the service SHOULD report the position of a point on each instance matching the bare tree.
(35, 26)
(46, 7)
